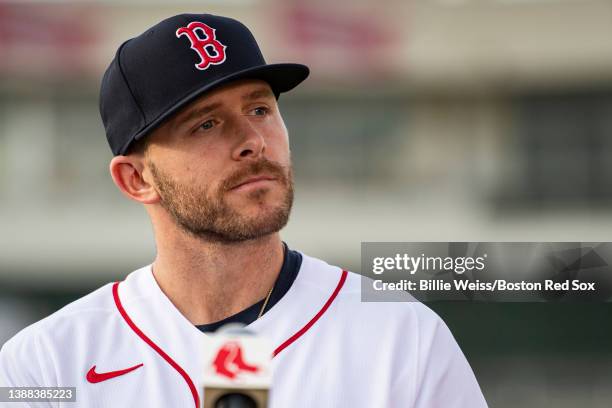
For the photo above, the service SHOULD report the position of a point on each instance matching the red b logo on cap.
(204, 46)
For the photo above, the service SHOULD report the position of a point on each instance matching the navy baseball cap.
(157, 73)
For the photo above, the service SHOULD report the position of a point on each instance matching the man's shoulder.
(30, 356)
(401, 310)
(352, 297)
(78, 317)
(83, 311)
(410, 344)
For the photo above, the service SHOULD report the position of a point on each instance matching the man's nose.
(251, 141)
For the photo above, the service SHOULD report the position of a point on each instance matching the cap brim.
(281, 77)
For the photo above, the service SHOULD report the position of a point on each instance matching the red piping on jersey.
(162, 353)
(182, 372)
(312, 321)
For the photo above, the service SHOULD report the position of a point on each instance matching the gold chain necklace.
(261, 312)
(265, 302)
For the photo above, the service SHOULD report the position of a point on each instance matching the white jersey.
(332, 350)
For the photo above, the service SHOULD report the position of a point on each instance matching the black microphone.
(235, 400)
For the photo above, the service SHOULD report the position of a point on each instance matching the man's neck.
(209, 281)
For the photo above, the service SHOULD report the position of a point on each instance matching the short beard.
(206, 215)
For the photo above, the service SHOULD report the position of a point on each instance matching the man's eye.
(260, 111)
(207, 125)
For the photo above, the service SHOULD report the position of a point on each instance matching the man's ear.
(127, 173)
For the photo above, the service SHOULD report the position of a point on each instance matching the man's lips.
(253, 181)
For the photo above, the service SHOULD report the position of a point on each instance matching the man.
(191, 115)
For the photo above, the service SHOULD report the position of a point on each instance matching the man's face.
(222, 166)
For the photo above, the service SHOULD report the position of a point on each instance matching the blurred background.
(423, 120)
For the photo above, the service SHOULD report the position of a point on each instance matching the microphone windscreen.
(235, 400)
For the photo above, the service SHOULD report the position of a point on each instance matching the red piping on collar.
(162, 353)
(312, 321)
